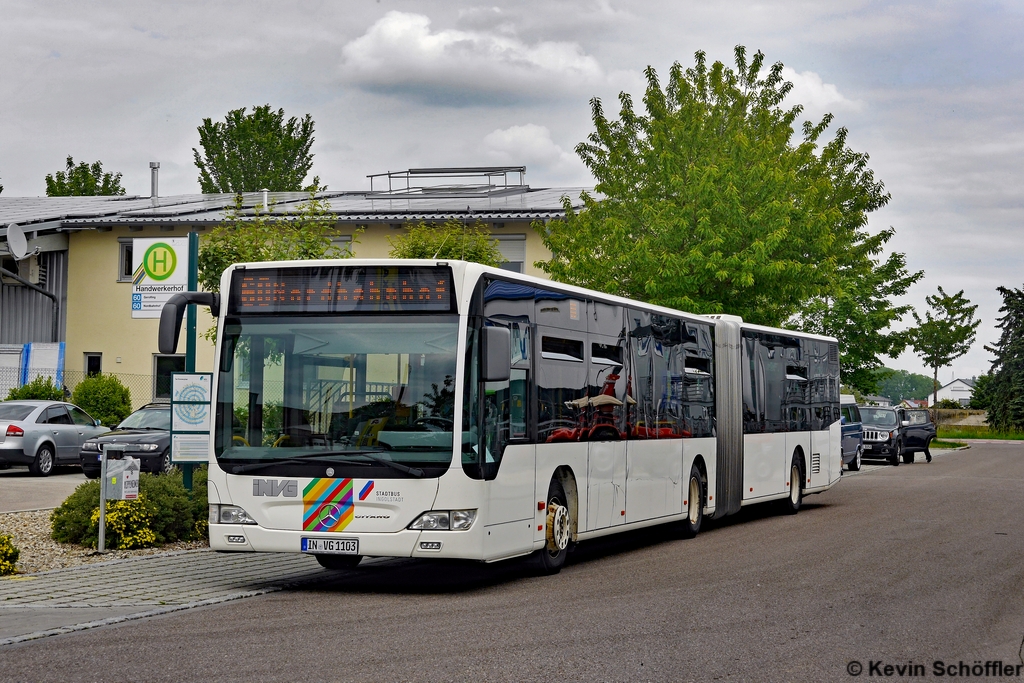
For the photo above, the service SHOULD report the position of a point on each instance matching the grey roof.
(968, 382)
(487, 203)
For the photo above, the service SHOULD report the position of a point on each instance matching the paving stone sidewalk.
(65, 600)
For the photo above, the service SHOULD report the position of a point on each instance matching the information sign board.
(191, 416)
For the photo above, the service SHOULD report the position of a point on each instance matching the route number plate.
(331, 546)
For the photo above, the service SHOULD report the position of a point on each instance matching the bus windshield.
(337, 396)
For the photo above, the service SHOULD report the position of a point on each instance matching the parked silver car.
(42, 434)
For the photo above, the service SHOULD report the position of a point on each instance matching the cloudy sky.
(932, 91)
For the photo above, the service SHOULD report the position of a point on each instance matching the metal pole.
(190, 330)
(103, 501)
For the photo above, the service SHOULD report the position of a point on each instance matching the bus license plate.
(331, 546)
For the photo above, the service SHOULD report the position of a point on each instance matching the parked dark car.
(852, 434)
(42, 434)
(146, 434)
(918, 432)
(896, 433)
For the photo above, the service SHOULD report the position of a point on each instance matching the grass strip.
(939, 443)
(975, 432)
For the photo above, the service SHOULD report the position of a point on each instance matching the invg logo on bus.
(273, 488)
(939, 669)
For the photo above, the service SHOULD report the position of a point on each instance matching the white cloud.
(531, 145)
(815, 95)
(401, 54)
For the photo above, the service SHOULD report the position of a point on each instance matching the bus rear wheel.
(557, 532)
(694, 505)
(338, 562)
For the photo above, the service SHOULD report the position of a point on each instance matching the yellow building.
(80, 251)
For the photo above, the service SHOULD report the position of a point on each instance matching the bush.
(8, 555)
(948, 404)
(39, 389)
(163, 513)
(103, 397)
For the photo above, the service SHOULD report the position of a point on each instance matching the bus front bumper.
(406, 543)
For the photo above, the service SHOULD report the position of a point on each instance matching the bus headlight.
(462, 519)
(229, 514)
(444, 520)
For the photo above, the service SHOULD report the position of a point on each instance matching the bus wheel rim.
(694, 503)
(794, 484)
(558, 528)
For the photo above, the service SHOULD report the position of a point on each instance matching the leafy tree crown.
(251, 152)
(453, 239)
(83, 180)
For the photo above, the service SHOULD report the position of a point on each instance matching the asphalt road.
(915, 563)
(19, 490)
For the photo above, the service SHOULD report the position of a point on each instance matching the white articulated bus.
(447, 409)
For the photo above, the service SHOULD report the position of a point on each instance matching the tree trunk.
(935, 387)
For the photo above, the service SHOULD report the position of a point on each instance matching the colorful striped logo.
(366, 490)
(327, 505)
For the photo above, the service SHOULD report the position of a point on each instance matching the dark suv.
(146, 434)
(896, 433)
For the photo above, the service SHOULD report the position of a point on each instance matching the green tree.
(1006, 389)
(262, 234)
(981, 396)
(900, 385)
(450, 240)
(706, 203)
(251, 152)
(941, 338)
(83, 180)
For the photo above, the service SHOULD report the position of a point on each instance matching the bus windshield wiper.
(305, 458)
(414, 471)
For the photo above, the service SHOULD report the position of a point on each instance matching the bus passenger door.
(606, 484)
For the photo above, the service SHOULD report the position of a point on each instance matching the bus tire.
(557, 532)
(791, 503)
(690, 526)
(338, 562)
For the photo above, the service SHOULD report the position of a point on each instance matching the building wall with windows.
(102, 336)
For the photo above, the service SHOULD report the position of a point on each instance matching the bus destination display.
(340, 290)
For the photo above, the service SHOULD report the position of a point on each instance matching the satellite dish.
(16, 241)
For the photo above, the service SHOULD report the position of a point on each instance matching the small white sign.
(159, 271)
(190, 448)
(122, 481)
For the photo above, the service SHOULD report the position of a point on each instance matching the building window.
(93, 364)
(163, 366)
(124, 261)
(513, 248)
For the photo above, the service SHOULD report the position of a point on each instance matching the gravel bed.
(39, 552)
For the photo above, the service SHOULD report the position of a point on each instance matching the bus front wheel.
(557, 532)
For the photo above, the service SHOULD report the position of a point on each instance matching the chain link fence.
(143, 388)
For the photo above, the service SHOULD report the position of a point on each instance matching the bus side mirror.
(174, 310)
(497, 353)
